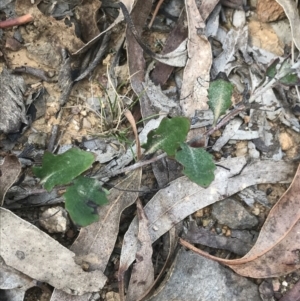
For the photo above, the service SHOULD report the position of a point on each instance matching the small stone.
(86, 124)
(286, 141)
(12, 44)
(241, 148)
(253, 152)
(205, 222)
(269, 11)
(198, 213)
(256, 211)
(83, 113)
(38, 139)
(284, 283)
(112, 296)
(239, 18)
(276, 285)
(55, 220)
(231, 213)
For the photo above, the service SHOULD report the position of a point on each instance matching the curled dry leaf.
(182, 197)
(279, 238)
(9, 172)
(36, 254)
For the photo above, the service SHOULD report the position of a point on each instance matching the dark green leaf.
(219, 95)
(62, 169)
(83, 199)
(168, 136)
(272, 70)
(290, 80)
(198, 164)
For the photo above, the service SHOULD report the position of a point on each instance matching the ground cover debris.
(149, 150)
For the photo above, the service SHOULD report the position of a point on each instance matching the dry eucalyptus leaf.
(291, 11)
(196, 73)
(142, 276)
(12, 112)
(182, 197)
(279, 238)
(32, 252)
(9, 172)
(12, 279)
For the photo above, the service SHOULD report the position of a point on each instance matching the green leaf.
(198, 164)
(168, 136)
(272, 69)
(62, 169)
(290, 80)
(219, 95)
(82, 200)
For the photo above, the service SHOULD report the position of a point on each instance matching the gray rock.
(38, 139)
(196, 278)
(231, 213)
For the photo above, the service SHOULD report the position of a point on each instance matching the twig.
(39, 73)
(131, 167)
(17, 21)
(160, 2)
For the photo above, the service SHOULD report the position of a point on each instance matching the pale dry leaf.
(182, 197)
(142, 276)
(196, 73)
(279, 238)
(12, 278)
(36, 254)
(95, 242)
(9, 172)
(291, 11)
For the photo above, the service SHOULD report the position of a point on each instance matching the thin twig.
(131, 167)
(17, 21)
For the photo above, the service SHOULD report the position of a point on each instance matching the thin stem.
(131, 167)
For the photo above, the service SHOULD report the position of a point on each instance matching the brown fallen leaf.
(142, 276)
(9, 172)
(161, 72)
(276, 251)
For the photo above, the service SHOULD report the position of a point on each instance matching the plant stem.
(131, 167)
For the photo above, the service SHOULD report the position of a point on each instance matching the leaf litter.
(212, 48)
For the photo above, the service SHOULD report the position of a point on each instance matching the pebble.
(38, 139)
(231, 213)
(286, 141)
(55, 220)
